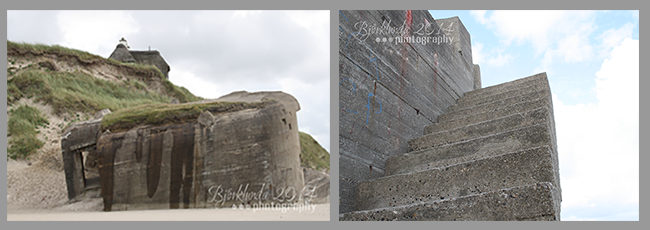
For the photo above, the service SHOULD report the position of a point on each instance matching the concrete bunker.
(242, 148)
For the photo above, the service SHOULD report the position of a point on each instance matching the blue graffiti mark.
(347, 52)
(346, 18)
(368, 106)
(354, 88)
(341, 29)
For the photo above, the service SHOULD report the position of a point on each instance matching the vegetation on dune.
(22, 128)
(312, 155)
(69, 92)
(158, 114)
(132, 101)
(82, 56)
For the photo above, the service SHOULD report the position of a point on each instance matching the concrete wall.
(389, 90)
(223, 157)
(242, 157)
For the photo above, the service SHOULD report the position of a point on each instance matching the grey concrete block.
(500, 96)
(389, 91)
(232, 157)
(468, 111)
(477, 77)
(347, 194)
(488, 174)
(496, 144)
(488, 115)
(511, 84)
(540, 201)
(77, 137)
(466, 132)
(317, 186)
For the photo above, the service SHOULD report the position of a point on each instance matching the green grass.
(312, 155)
(159, 114)
(55, 49)
(22, 126)
(40, 49)
(70, 92)
(143, 72)
(132, 102)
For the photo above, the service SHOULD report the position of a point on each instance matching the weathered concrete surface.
(446, 124)
(472, 177)
(477, 77)
(538, 201)
(239, 157)
(466, 132)
(389, 91)
(495, 97)
(461, 111)
(529, 87)
(497, 144)
(76, 138)
(287, 100)
(317, 186)
(512, 85)
(456, 170)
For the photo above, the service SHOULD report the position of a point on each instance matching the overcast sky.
(211, 53)
(592, 62)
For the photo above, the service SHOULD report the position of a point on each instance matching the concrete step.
(495, 97)
(505, 86)
(501, 97)
(483, 175)
(539, 201)
(499, 125)
(464, 112)
(489, 115)
(486, 146)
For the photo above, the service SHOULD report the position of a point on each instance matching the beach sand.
(38, 193)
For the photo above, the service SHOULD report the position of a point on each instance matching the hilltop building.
(150, 57)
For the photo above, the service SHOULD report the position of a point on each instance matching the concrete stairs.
(493, 156)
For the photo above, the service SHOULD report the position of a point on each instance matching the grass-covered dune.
(73, 82)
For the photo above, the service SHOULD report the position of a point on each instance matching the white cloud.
(479, 15)
(554, 34)
(635, 14)
(241, 14)
(95, 31)
(520, 26)
(613, 37)
(493, 58)
(196, 85)
(575, 48)
(500, 60)
(598, 144)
